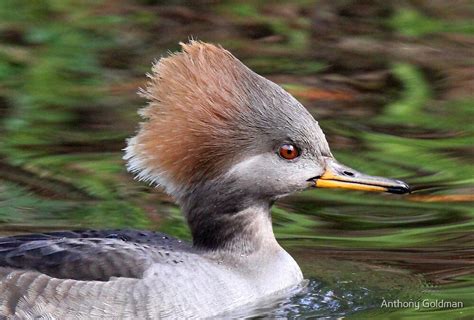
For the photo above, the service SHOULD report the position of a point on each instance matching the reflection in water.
(391, 84)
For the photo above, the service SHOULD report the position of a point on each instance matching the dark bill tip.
(403, 188)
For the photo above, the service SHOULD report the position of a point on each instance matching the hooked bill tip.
(403, 188)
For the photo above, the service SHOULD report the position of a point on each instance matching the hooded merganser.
(225, 143)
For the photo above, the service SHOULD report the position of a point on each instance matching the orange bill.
(342, 177)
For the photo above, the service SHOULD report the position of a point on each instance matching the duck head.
(220, 138)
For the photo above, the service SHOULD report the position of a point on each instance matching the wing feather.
(88, 254)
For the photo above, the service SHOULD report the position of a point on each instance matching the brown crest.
(195, 98)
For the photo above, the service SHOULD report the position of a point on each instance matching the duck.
(225, 143)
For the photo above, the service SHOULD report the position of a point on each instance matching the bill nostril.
(348, 173)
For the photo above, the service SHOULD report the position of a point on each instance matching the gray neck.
(222, 218)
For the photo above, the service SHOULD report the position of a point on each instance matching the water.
(391, 86)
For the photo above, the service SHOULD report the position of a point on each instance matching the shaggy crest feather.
(194, 97)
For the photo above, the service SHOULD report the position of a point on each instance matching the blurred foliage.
(412, 23)
(389, 83)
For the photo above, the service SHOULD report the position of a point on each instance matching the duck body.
(134, 274)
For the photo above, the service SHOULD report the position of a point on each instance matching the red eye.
(288, 151)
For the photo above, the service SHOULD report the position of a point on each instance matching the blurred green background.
(391, 83)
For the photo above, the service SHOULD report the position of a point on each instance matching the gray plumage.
(128, 275)
(89, 254)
